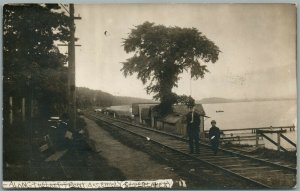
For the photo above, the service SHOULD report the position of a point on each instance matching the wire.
(64, 8)
(191, 84)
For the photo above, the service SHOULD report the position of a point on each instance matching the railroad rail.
(260, 172)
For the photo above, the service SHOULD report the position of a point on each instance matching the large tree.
(162, 53)
(33, 66)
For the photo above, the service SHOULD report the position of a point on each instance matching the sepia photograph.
(149, 96)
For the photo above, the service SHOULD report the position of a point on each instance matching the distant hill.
(215, 100)
(124, 100)
(225, 100)
(96, 98)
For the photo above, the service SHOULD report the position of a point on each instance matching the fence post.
(257, 136)
(23, 109)
(278, 141)
(10, 110)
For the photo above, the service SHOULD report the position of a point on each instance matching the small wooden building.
(142, 112)
(176, 121)
(121, 111)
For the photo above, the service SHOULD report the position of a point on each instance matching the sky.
(258, 44)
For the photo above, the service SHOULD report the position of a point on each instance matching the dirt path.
(134, 164)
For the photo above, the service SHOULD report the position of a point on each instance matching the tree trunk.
(167, 98)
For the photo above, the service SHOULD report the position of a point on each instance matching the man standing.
(193, 128)
(214, 136)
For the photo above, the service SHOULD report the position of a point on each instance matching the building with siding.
(176, 121)
(144, 113)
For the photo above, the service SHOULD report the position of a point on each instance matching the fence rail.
(253, 130)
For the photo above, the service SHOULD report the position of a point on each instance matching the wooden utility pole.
(71, 69)
(71, 72)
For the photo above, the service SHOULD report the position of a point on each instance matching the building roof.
(136, 107)
(120, 110)
(172, 118)
(179, 110)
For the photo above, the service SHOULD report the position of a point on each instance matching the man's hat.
(213, 121)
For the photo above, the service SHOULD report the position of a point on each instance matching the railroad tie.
(251, 168)
(188, 160)
(228, 162)
(275, 170)
(220, 158)
(242, 165)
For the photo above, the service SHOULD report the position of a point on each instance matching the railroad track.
(260, 172)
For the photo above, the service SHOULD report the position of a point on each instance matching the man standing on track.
(193, 128)
(214, 136)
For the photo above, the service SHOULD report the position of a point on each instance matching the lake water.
(254, 114)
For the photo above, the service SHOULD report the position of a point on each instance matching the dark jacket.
(214, 131)
(195, 124)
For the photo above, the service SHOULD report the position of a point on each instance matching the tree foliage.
(186, 100)
(32, 62)
(162, 53)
